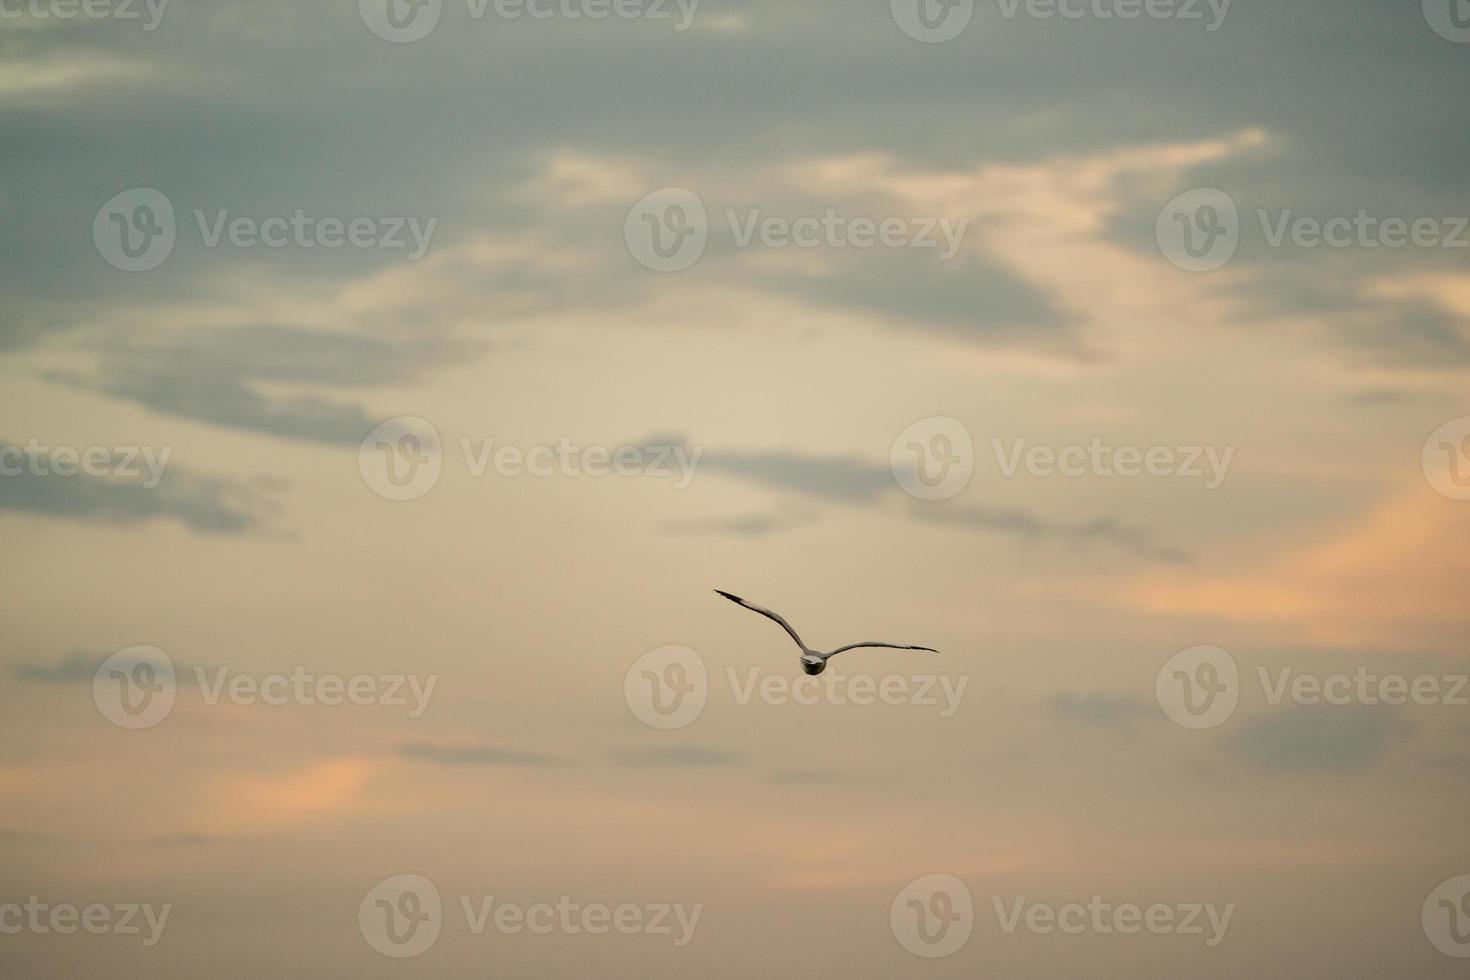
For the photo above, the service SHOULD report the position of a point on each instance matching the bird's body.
(813, 661)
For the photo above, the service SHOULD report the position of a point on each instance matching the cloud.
(477, 755)
(682, 755)
(1390, 577)
(842, 479)
(209, 505)
(1106, 531)
(318, 791)
(749, 526)
(1098, 711)
(1315, 739)
(75, 668)
(216, 376)
(854, 481)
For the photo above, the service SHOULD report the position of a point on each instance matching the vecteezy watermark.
(137, 230)
(933, 459)
(136, 688)
(1200, 688)
(1446, 459)
(406, 21)
(1097, 459)
(1365, 687)
(122, 462)
(1200, 230)
(933, 916)
(1449, 18)
(403, 458)
(932, 21)
(669, 688)
(301, 687)
(937, 21)
(403, 916)
(668, 231)
(1211, 13)
(97, 919)
(149, 12)
(1101, 917)
(1446, 917)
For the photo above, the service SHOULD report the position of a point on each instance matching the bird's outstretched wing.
(886, 646)
(768, 614)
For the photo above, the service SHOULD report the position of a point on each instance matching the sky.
(385, 389)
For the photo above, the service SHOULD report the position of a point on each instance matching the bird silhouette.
(813, 661)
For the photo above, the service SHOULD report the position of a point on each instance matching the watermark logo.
(667, 688)
(402, 459)
(1446, 917)
(668, 230)
(933, 917)
(136, 230)
(833, 230)
(401, 21)
(89, 9)
(301, 687)
(1211, 12)
(1208, 464)
(135, 688)
(41, 918)
(1101, 917)
(1199, 230)
(1364, 687)
(401, 916)
(942, 692)
(1446, 459)
(1449, 18)
(932, 21)
(142, 463)
(1199, 688)
(933, 459)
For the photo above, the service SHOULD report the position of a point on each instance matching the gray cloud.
(74, 668)
(1098, 711)
(749, 526)
(1412, 335)
(207, 504)
(213, 376)
(844, 479)
(1103, 531)
(1316, 739)
(850, 480)
(679, 755)
(477, 755)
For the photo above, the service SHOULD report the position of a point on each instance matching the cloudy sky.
(453, 353)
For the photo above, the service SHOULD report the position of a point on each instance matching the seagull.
(813, 661)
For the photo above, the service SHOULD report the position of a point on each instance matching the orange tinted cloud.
(1393, 578)
(317, 791)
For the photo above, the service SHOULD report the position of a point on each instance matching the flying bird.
(813, 661)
